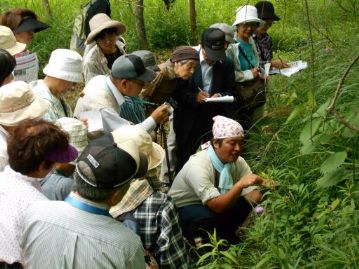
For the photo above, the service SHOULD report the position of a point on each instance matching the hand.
(255, 72)
(279, 64)
(249, 180)
(201, 96)
(160, 114)
(216, 95)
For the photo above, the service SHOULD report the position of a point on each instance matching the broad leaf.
(333, 162)
(332, 178)
(309, 130)
(297, 111)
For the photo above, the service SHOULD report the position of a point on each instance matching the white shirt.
(59, 235)
(101, 93)
(17, 192)
(207, 72)
(4, 158)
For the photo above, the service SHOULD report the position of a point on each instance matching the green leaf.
(297, 111)
(309, 130)
(334, 204)
(322, 109)
(333, 162)
(332, 178)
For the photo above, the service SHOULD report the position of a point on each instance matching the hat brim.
(120, 29)
(215, 55)
(29, 25)
(273, 17)
(51, 71)
(248, 19)
(36, 110)
(147, 76)
(19, 47)
(156, 157)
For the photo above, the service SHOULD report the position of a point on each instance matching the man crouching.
(215, 188)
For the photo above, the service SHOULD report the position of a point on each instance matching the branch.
(340, 84)
(332, 109)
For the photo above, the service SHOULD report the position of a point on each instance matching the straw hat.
(18, 102)
(8, 41)
(245, 14)
(77, 131)
(154, 152)
(101, 22)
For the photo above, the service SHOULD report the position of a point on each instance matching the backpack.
(81, 27)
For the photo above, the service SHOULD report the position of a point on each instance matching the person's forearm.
(227, 200)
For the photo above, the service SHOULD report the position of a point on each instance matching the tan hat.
(101, 22)
(18, 102)
(154, 152)
(8, 41)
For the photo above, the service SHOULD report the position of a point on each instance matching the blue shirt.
(251, 56)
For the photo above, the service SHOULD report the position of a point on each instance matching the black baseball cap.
(213, 40)
(131, 66)
(105, 165)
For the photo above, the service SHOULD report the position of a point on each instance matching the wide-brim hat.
(18, 102)
(246, 13)
(100, 22)
(8, 41)
(29, 24)
(265, 11)
(154, 152)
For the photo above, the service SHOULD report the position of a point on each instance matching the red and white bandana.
(224, 128)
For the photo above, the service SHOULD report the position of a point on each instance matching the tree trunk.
(140, 24)
(46, 5)
(193, 21)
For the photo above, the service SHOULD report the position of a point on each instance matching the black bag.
(251, 93)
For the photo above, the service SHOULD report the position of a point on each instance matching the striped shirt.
(59, 235)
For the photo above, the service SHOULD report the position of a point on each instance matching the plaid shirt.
(160, 231)
(265, 48)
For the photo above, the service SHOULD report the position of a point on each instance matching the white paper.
(222, 99)
(94, 120)
(27, 68)
(294, 68)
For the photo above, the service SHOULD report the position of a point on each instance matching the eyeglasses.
(251, 24)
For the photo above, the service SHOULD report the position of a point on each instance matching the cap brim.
(215, 55)
(29, 25)
(121, 28)
(36, 110)
(19, 47)
(147, 76)
(63, 156)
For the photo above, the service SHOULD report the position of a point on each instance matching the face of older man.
(228, 149)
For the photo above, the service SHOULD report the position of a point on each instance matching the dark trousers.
(15, 265)
(196, 220)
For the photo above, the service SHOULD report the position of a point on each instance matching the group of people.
(76, 195)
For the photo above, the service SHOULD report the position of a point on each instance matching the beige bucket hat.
(101, 22)
(18, 102)
(8, 41)
(154, 152)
